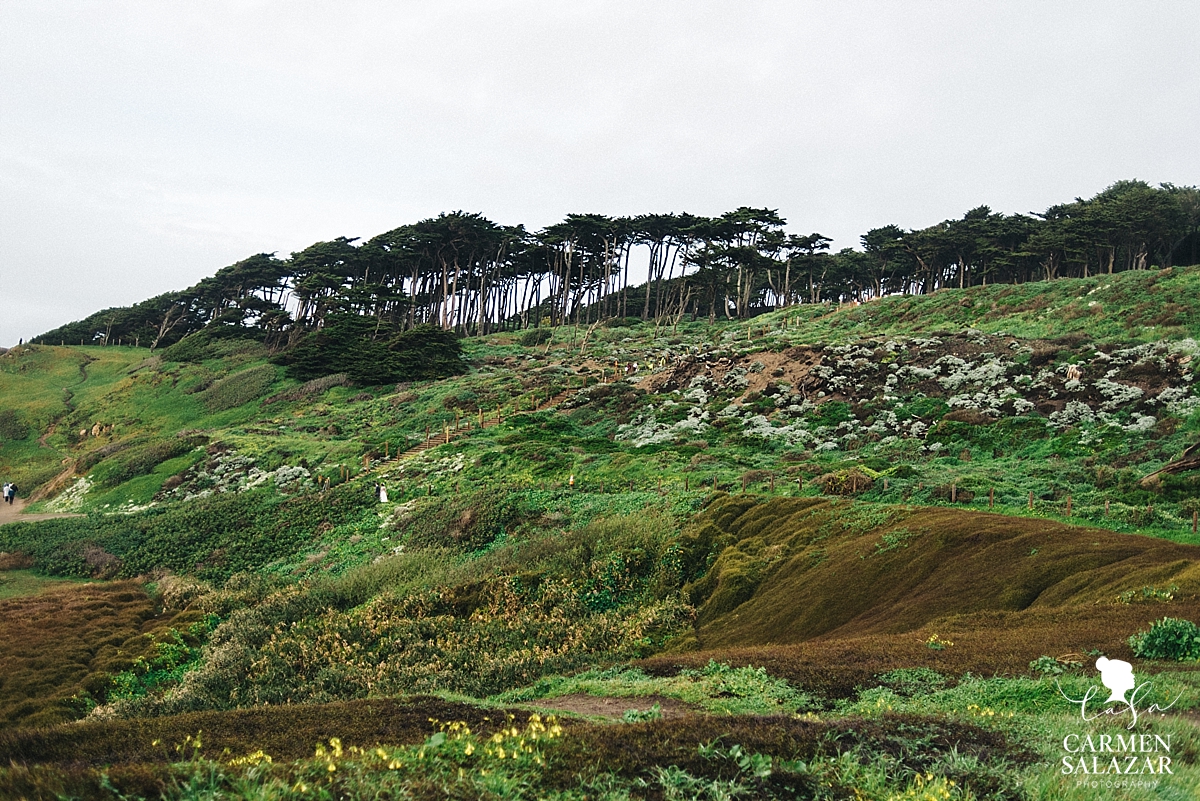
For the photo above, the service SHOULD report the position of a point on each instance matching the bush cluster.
(1169, 638)
(211, 537)
(239, 388)
(12, 427)
(141, 459)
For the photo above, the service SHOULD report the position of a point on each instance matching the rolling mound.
(789, 570)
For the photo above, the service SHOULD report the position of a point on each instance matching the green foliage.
(239, 388)
(1049, 666)
(351, 344)
(11, 425)
(214, 342)
(1168, 638)
(716, 687)
(173, 655)
(536, 336)
(467, 639)
(210, 537)
(910, 682)
(830, 413)
(140, 459)
(642, 715)
(468, 521)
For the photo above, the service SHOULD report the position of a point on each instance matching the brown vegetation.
(63, 643)
(828, 594)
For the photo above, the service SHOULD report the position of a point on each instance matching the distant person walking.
(6, 488)
(10, 492)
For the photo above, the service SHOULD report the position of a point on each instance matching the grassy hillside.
(876, 536)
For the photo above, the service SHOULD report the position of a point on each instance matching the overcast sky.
(145, 145)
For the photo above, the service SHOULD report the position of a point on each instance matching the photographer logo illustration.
(1117, 761)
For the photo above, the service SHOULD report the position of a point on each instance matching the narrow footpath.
(12, 513)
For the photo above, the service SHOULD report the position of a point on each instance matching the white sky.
(144, 145)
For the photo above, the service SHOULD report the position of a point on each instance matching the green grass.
(716, 688)
(20, 583)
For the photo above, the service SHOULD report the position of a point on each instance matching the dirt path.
(12, 514)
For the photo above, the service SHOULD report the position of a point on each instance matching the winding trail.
(68, 399)
(12, 513)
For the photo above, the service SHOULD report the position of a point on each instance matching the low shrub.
(1169, 638)
(299, 647)
(241, 387)
(310, 388)
(536, 336)
(211, 537)
(12, 427)
(140, 460)
(463, 521)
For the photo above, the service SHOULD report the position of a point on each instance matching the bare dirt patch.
(11, 513)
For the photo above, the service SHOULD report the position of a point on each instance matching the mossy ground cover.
(784, 571)
(62, 647)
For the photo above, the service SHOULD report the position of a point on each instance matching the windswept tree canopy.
(462, 273)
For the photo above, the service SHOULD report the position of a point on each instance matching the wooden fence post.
(772, 482)
(686, 481)
(1031, 500)
(743, 485)
(1068, 506)
(1106, 508)
(991, 497)
(953, 492)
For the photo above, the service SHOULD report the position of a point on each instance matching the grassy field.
(867, 552)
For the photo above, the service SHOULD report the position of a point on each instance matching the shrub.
(351, 344)
(910, 682)
(242, 387)
(214, 342)
(11, 426)
(211, 537)
(140, 460)
(467, 521)
(1169, 638)
(536, 336)
(309, 388)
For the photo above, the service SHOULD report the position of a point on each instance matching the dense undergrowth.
(834, 542)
